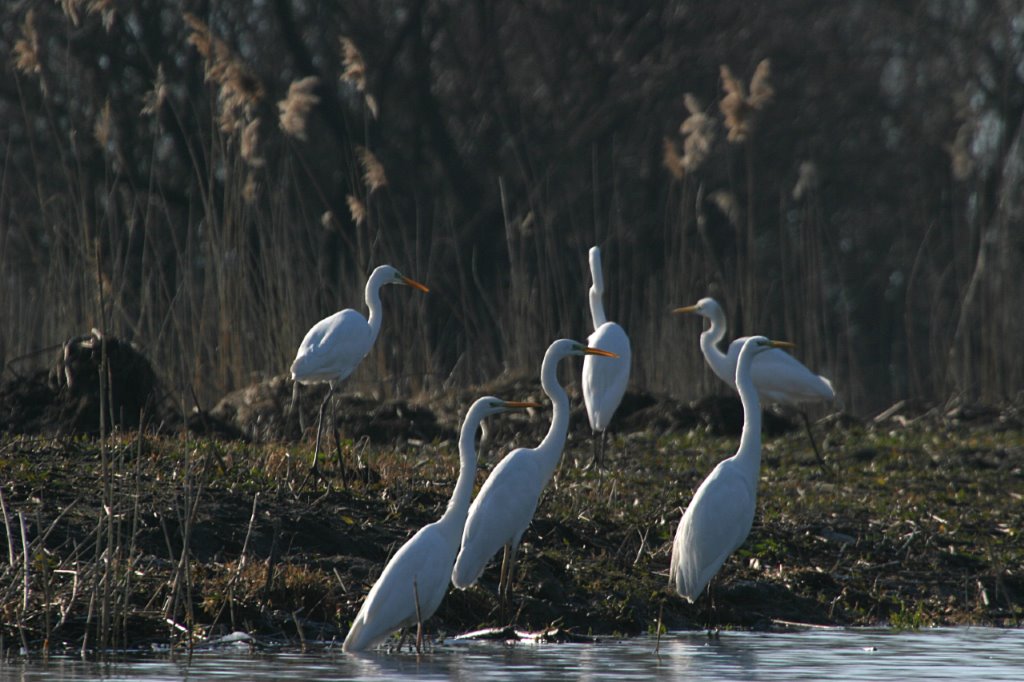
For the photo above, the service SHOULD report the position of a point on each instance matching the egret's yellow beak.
(686, 309)
(514, 404)
(788, 345)
(414, 284)
(598, 351)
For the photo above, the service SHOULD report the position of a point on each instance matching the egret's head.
(705, 307)
(390, 275)
(565, 347)
(759, 344)
(595, 268)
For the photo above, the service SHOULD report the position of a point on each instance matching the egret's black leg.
(319, 427)
(814, 443)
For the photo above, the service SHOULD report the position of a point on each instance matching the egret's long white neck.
(550, 449)
(373, 285)
(709, 341)
(749, 453)
(597, 289)
(458, 506)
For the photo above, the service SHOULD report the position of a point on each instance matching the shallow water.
(947, 653)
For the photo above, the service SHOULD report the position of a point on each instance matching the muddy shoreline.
(145, 538)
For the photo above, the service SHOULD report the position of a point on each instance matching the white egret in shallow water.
(334, 346)
(777, 375)
(719, 516)
(604, 379)
(505, 504)
(416, 579)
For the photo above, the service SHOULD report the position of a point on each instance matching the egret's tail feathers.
(827, 392)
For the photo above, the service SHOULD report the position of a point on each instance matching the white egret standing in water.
(416, 579)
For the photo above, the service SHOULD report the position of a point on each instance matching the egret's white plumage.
(505, 504)
(422, 567)
(604, 379)
(334, 346)
(719, 516)
(777, 375)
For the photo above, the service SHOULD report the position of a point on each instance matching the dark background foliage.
(514, 136)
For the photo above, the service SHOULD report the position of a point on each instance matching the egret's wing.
(422, 567)
(780, 377)
(333, 347)
(499, 515)
(605, 379)
(715, 523)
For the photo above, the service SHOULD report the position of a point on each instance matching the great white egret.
(719, 516)
(777, 375)
(505, 504)
(416, 579)
(604, 379)
(335, 345)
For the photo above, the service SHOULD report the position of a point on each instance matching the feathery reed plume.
(200, 36)
(249, 147)
(296, 106)
(761, 91)
(107, 10)
(671, 158)
(355, 67)
(154, 99)
(249, 190)
(26, 48)
(356, 208)
(371, 104)
(959, 151)
(373, 171)
(806, 181)
(70, 9)
(727, 204)
(698, 130)
(238, 89)
(737, 106)
(103, 127)
(355, 72)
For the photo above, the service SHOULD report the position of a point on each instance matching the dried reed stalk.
(698, 131)
(248, 148)
(26, 48)
(103, 127)
(107, 9)
(807, 180)
(355, 72)
(373, 171)
(295, 108)
(357, 208)
(239, 91)
(154, 98)
(737, 106)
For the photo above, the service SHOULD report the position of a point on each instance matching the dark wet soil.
(152, 537)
